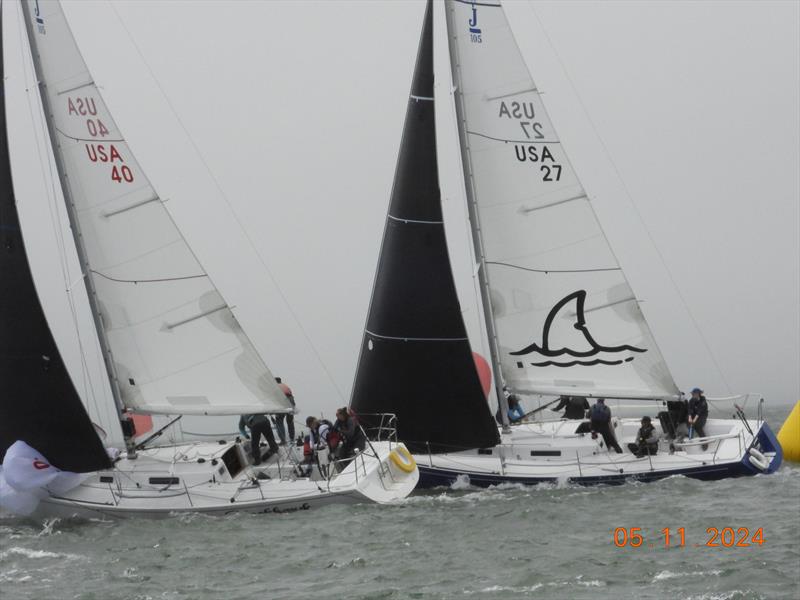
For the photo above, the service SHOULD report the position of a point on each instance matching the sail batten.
(166, 328)
(561, 308)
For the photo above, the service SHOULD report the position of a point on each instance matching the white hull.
(186, 478)
(551, 451)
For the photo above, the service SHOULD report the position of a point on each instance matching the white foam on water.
(663, 575)
(461, 483)
(498, 589)
(28, 553)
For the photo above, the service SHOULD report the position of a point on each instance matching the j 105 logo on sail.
(474, 30)
(38, 17)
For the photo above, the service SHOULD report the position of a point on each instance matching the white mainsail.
(177, 348)
(565, 318)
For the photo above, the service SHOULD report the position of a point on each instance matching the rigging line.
(163, 279)
(629, 197)
(229, 205)
(44, 156)
(79, 139)
(548, 271)
(528, 141)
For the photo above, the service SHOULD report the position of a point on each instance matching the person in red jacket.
(287, 418)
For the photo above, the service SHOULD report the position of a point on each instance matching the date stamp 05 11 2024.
(727, 537)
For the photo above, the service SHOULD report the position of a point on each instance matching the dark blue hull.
(765, 441)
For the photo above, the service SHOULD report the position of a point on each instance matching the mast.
(108, 359)
(474, 220)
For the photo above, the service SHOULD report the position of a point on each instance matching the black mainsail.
(416, 359)
(38, 401)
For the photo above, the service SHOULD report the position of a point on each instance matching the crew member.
(600, 416)
(515, 411)
(575, 406)
(351, 433)
(698, 414)
(646, 439)
(259, 425)
(282, 417)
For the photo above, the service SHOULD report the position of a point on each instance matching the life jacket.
(600, 412)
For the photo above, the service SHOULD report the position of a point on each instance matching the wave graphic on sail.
(585, 339)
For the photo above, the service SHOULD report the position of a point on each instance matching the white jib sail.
(176, 345)
(567, 321)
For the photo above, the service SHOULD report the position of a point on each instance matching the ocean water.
(506, 542)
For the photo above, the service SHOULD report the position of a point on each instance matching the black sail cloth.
(38, 401)
(415, 359)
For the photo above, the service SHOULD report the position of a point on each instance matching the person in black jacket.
(575, 406)
(698, 413)
(351, 434)
(646, 439)
(259, 425)
(600, 416)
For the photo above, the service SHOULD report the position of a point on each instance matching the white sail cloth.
(567, 321)
(176, 345)
(26, 477)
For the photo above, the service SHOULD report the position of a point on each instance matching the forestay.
(177, 347)
(567, 322)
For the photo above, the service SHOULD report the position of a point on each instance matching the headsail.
(566, 320)
(176, 346)
(38, 401)
(415, 358)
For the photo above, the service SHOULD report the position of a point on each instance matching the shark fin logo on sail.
(586, 351)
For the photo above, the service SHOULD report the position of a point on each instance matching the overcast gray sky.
(296, 108)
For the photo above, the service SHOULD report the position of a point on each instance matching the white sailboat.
(170, 342)
(561, 318)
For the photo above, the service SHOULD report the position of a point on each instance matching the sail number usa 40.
(727, 537)
(85, 109)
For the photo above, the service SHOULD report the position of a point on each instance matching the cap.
(697, 391)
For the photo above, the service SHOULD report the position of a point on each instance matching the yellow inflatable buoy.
(789, 435)
(403, 460)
